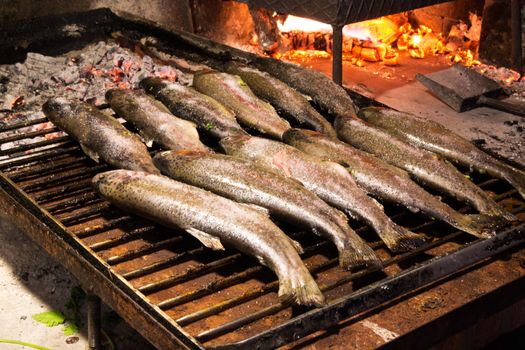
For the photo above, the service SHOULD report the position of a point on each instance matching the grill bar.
(146, 249)
(89, 231)
(38, 144)
(22, 124)
(46, 169)
(243, 321)
(128, 236)
(103, 235)
(143, 271)
(44, 155)
(379, 292)
(191, 272)
(29, 135)
(64, 192)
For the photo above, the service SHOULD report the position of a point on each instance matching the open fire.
(386, 39)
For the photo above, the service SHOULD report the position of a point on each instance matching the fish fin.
(91, 154)
(145, 139)
(480, 225)
(356, 255)
(398, 239)
(299, 287)
(206, 239)
(297, 246)
(517, 180)
(261, 210)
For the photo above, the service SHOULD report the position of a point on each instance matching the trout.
(232, 91)
(187, 103)
(100, 135)
(154, 121)
(288, 102)
(387, 182)
(428, 168)
(331, 97)
(246, 182)
(216, 222)
(436, 138)
(329, 180)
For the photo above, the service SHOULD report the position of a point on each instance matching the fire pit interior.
(164, 283)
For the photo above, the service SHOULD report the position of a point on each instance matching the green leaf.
(209, 126)
(50, 318)
(70, 329)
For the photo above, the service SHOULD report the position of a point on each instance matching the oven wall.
(174, 14)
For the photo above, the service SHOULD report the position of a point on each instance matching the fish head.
(116, 93)
(295, 135)
(57, 105)
(153, 85)
(368, 112)
(106, 182)
(233, 143)
(171, 158)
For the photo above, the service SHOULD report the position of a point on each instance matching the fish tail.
(398, 239)
(500, 212)
(517, 180)
(358, 255)
(299, 287)
(480, 225)
(487, 206)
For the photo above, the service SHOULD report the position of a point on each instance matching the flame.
(377, 40)
(294, 23)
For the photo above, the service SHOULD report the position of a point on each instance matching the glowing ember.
(379, 40)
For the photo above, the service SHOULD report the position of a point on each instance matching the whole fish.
(154, 121)
(187, 103)
(100, 135)
(286, 100)
(324, 92)
(232, 91)
(215, 221)
(246, 182)
(425, 166)
(386, 181)
(330, 181)
(436, 138)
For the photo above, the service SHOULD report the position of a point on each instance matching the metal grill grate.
(217, 297)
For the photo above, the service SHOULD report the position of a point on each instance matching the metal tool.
(463, 89)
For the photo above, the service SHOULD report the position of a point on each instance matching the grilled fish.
(286, 100)
(213, 220)
(425, 166)
(330, 181)
(436, 138)
(246, 182)
(187, 103)
(232, 91)
(324, 92)
(386, 181)
(154, 121)
(100, 136)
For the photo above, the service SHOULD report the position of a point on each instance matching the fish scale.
(246, 182)
(388, 182)
(436, 138)
(330, 181)
(178, 205)
(428, 168)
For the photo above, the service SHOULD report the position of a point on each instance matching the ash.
(83, 75)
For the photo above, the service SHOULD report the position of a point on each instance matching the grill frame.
(98, 277)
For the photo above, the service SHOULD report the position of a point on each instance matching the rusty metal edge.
(383, 291)
(468, 315)
(94, 275)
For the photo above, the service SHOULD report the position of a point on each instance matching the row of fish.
(306, 180)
